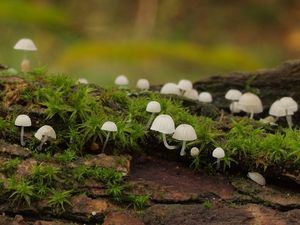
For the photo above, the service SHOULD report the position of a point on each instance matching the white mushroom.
(257, 178)
(109, 127)
(82, 81)
(184, 133)
(25, 44)
(218, 153)
(43, 134)
(290, 106)
(195, 151)
(121, 81)
(143, 84)
(233, 95)
(152, 107)
(250, 103)
(234, 107)
(22, 121)
(165, 125)
(205, 97)
(191, 94)
(185, 85)
(170, 89)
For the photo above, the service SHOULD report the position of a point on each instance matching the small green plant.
(44, 174)
(207, 204)
(196, 163)
(59, 200)
(66, 157)
(23, 192)
(139, 201)
(10, 166)
(81, 172)
(115, 190)
(107, 175)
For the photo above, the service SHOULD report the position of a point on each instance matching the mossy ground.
(77, 112)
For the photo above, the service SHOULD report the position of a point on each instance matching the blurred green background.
(161, 40)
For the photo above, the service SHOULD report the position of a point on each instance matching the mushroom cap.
(250, 103)
(277, 109)
(143, 84)
(205, 97)
(191, 94)
(164, 124)
(170, 88)
(185, 132)
(233, 94)
(218, 153)
(45, 130)
(153, 107)
(23, 121)
(194, 151)
(25, 44)
(82, 81)
(234, 107)
(121, 80)
(257, 178)
(185, 85)
(289, 104)
(109, 126)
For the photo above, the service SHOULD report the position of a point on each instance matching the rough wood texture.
(270, 85)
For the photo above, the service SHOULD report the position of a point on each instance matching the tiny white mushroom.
(250, 103)
(82, 81)
(205, 97)
(195, 151)
(165, 125)
(143, 84)
(25, 44)
(233, 95)
(170, 89)
(185, 85)
(43, 134)
(184, 133)
(121, 81)
(22, 121)
(234, 107)
(109, 127)
(218, 153)
(94, 213)
(191, 94)
(257, 178)
(152, 107)
(290, 106)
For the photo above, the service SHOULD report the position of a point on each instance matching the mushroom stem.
(182, 152)
(289, 121)
(166, 143)
(150, 121)
(22, 136)
(43, 141)
(106, 141)
(218, 164)
(251, 115)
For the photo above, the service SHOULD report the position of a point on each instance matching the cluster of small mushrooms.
(247, 102)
